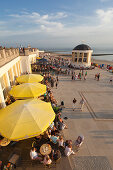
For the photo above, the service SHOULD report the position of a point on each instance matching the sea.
(95, 51)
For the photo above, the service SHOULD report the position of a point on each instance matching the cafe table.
(45, 149)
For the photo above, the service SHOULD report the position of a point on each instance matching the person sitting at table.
(68, 150)
(53, 128)
(67, 142)
(46, 135)
(38, 138)
(56, 155)
(47, 160)
(61, 141)
(35, 155)
(61, 124)
(54, 138)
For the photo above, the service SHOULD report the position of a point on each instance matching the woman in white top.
(47, 160)
(76, 77)
(68, 150)
(61, 141)
(34, 155)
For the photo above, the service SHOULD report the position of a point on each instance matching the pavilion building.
(81, 56)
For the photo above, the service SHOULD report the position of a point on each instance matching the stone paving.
(98, 132)
(92, 163)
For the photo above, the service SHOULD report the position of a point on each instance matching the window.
(85, 55)
(76, 59)
(80, 60)
(85, 59)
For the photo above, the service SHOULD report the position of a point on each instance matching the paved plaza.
(95, 122)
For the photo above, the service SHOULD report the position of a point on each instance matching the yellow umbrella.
(25, 119)
(27, 90)
(38, 58)
(30, 78)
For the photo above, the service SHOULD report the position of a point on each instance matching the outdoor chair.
(15, 158)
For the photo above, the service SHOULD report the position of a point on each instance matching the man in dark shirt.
(74, 103)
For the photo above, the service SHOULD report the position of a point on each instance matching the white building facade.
(81, 56)
(12, 65)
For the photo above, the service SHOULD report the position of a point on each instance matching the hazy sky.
(56, 23)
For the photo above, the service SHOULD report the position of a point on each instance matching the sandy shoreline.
(102, 62)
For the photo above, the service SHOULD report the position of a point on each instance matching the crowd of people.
(53, 135)
(81, 75)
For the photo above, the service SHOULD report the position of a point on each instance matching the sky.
(55, 24)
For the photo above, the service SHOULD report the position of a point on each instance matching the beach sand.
(102, 62)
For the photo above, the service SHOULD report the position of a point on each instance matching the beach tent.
(28, 90)
(29, 78)
(25, 119)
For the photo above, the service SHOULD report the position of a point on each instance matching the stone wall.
(7, 55)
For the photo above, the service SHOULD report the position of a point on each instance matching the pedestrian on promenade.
(57, 79)
(81, 104)
(82, 72)
(111, 80)
(86, 73)
(80, 75)
(76, 77)
(56, 84)
(84, 77)
(98, 77)
(74, 103)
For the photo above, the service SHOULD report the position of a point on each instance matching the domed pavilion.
(81, 56)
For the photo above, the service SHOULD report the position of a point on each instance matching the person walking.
(57, 79)
(80, 75)
(76, 77)
(74, 103)
(86, 73)
(56, 84)
(98, 77)
(81, 104)
(111, 80)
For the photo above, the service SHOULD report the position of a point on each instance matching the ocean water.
(104, 57)
(95, 51)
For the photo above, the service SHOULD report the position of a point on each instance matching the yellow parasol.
(28, 90)
(25, 119)
(29, 78)
(38, 58)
